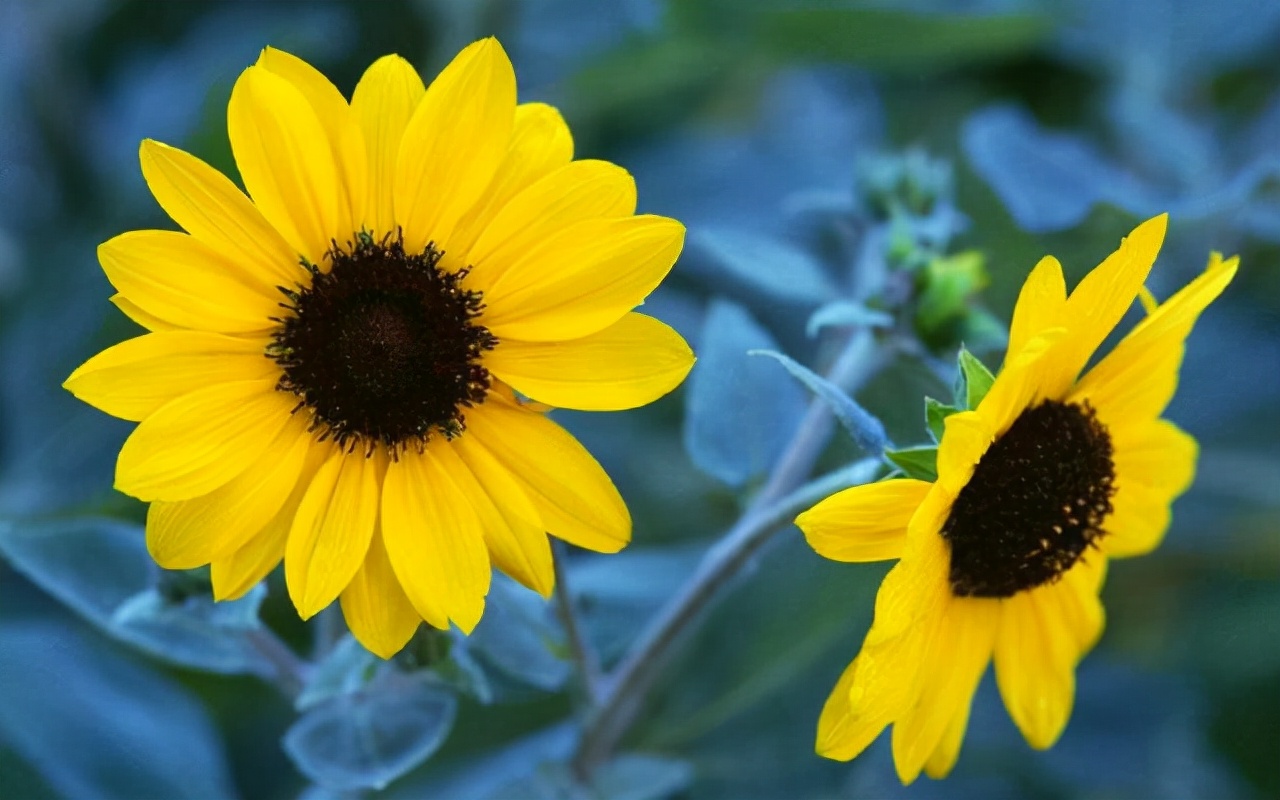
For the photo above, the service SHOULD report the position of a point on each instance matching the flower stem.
(291, 672)
(584, 657)
(775, 505)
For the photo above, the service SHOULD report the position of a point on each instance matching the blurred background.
(896, 165)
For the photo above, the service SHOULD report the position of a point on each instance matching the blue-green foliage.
(885, 171)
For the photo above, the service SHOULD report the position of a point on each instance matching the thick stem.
(771, 509)
(584, 657)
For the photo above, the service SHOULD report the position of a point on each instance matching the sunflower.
(1003, 556)
(350, 370)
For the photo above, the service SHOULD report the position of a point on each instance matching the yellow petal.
(513, 528)
(1037, 649)
(1096, 306)
(1040, 304)
(628, 364)
(331, 530)
(957, 657)
(383, 102)
(944, 756)
(573, 495)
(864, 523)
(454, 143)
(286, 165)
(235, 574)
(186, 283)
(577, 192)
(540, 143)
(134, 378)
(377, 611)
(192, 533)
(1137, 379)
(200, 441)
(142, 318)
(583, 279)
(346, 140)
(210, 207)
(965, 438)
(882, 683)
(1154, 464)
(435, 540)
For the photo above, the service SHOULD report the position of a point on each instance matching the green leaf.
(898, 40)
(975, 380)
(935, 412)
(920, 462)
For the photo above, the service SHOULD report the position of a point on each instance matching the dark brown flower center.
(1037, 500)
(383, 347)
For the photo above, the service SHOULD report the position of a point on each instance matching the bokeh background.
(818, 151)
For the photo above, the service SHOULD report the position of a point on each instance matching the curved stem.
(291, 672)
(774, 506)
(580, 650)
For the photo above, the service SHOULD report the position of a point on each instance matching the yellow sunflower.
(1003, 556)
(338, 368)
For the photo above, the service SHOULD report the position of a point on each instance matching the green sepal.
(974, 380)
(920, 462)
(935, 413)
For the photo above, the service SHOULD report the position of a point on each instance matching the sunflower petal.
(1101, 299)
(454, 143)
(435, 541)
(540, 143)
(383, 102)
(235, 574)
(134, 378)
(1040, 304)
(186, 283)
(377, 611)
(573, 495)
(944, 757)
(1154, 464)
(577, 192)
(142, 318)
(628, 364)
(346, 139)
(864, 523)
(583, 279)
(957, 657)
(513, 528)
(289, 171)
(209, 207)
(1137, 379)
(331, 532)
(200, 441)
(1037, 649)
(192, 533)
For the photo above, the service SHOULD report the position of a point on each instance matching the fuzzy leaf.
(865, 429)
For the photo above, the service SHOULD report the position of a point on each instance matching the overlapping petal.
(383, 102)
(864, 523)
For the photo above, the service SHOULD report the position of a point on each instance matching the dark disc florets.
(383, 346)
(1037, 500)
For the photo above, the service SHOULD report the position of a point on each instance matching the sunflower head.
(1046, 475)
(337, 365)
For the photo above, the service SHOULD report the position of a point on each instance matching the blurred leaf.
(369, 738)
(768, 266)
(935, 413)
(920, 463)
(97, 725)
(347, 668)
(627, 777)
(846, 314)
(865, 429)
(1048, 181)
(101, 570)
(519, 635)
(738, 414)
(973, 380)
(194, 632)
(480, 777)
(886, 39)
